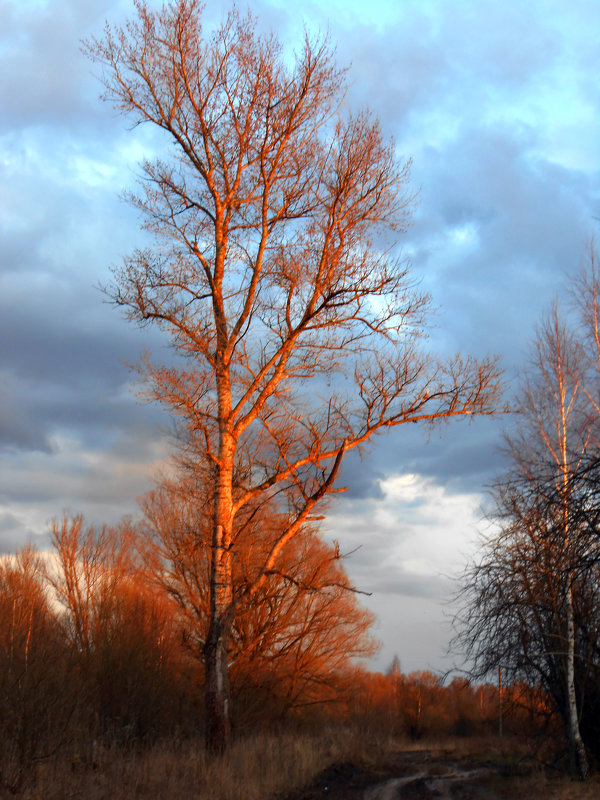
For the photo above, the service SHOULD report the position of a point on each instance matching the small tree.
(272, 276)
(91, 565)
(124, 634)
(36, 699)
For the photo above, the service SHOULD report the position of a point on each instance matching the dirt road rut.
(447, 782)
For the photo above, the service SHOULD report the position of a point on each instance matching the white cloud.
(414, 540)
(101, 484)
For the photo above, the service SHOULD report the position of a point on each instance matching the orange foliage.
(36, 700)
(124, 633)
(420, 705)
(130, 679)
(292, 638)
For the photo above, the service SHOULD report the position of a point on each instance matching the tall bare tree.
(272, 273)
(522, 593)
(36, 700)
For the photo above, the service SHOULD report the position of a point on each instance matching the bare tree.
(124, 634)
(272, 273)
(36, 699)
(91, 565)
(560, 418)
(522, 593)
(515, 615)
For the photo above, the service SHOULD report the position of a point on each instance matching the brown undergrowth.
(336, 762)
(264, 765)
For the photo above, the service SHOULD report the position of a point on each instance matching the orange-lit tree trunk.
(266, 276)
(217, 690)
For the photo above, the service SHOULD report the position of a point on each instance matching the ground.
(440, 775)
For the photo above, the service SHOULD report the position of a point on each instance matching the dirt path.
(421, 775)
(453, 784)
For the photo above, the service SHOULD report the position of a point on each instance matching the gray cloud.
(14, 535)
(396, 582)
(45, 80)
(19, 428)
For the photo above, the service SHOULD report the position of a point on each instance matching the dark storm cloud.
(507, 196)
(62, 349)
(502, 245)
(463, 455)
(103, 484)
(33, 412)
(63, 354)
(74, 341)
(468, 92)
(20, 429)
(513, 208)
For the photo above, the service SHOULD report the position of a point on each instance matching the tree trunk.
(577, 755)
(217, 695)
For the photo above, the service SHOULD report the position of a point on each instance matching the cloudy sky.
(498, 105)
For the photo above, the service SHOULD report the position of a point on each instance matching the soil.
(422, 775)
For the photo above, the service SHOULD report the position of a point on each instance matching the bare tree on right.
(533, 596)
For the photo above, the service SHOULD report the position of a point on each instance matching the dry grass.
(263, 765)
(536, 786)
(267, 764)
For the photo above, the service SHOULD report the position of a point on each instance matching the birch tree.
(554, 405)
(273, 273)
(522, 593)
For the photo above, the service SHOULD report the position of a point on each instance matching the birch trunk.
(577, 755)
(217, 694)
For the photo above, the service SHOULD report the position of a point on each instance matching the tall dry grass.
(261, 766)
